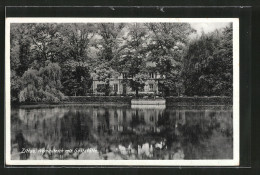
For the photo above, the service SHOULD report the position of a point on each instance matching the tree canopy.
(50, 60)
(208, 67)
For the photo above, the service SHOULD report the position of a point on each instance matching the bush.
(41, 86)
(28, 94)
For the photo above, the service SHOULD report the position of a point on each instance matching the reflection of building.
(119, 120)
(180, 117)
(137, 133)
(116, 85)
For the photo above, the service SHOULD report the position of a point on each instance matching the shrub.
(28, 94)
(43, 85)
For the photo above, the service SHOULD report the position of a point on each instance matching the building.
(117, 87)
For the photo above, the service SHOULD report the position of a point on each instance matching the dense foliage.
(41, 85)
(208, 68)
(50, 61)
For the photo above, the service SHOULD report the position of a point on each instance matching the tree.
(19, 57)
(76, 78)
(107, 43)
(20, 53)
(42, 85)
(15, 87)
(208, 64)
(76, 41)
(166, 47)
(64, 58)
(226, 55)
(110, 41)
(132, 60)
(76, 61)
(104, 73)
(47, 43)
(138, 81)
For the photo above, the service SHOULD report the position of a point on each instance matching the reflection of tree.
(137, 119)
(106, 116)
(75, 129)
(192, 134)
(197, 132)
(104, 122)
(22, 144)
(167, 122)
(79, 130)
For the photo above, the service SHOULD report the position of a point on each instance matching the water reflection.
(121, 133)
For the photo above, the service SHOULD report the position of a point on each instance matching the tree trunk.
(107, 89)
(124, 89)
(136, 92)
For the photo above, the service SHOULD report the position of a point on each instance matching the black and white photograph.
(122, 91)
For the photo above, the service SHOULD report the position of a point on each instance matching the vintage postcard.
(122, 91)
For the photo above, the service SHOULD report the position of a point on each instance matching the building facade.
(151, 85)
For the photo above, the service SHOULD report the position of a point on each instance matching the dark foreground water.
(88, 132)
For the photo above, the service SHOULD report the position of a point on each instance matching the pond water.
(121, 133)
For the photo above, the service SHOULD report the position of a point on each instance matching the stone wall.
(98, 99)
(170, 101)
(126, 100)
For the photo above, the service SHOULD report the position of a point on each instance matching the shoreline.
(177, 102)
(180, 107)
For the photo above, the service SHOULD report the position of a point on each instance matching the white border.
(231, 162)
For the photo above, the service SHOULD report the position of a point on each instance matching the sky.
(208, 27)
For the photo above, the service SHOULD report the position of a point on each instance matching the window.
(100, 87)
(151, 87)
(151, 75)
(116, 87)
